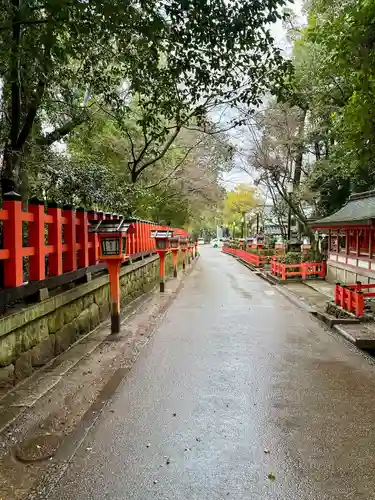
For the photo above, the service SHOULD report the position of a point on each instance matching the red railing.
(351, 298)
(253, 259)
(303, 269)
(62, 235)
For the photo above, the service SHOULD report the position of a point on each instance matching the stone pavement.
(239, 394)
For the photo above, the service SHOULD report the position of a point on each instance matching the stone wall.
(347, 274)
(33, 336)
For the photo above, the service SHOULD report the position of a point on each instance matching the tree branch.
(15, 76)
(61, 132)
(136, 173)
(174, 169)
(35, 103)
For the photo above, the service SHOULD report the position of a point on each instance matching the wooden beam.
(357, 242)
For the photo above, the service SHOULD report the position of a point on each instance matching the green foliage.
(290, 258)
(334, 61)
(61, 61)
(238, 202)
(312, 256)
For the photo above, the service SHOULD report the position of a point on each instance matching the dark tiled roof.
(360, 209)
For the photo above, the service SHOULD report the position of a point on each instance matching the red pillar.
(13, 266)
(83, 238)
(137, 237)
(37, 268)
(55, 239)
(93, 239)
(70, 255)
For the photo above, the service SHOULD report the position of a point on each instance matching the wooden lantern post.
(184, 247)
(162, 248)
(112, 238)
(189, 251)
(175, 246)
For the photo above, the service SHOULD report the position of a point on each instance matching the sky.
(237, 175)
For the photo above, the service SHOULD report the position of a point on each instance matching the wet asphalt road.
(234, 369)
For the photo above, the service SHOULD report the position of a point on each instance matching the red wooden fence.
(253, 259)
(352, 297)
(303, 269)
(62, 235)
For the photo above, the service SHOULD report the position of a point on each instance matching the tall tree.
(60, 58)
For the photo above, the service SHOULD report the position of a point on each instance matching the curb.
(334, 324)
(344, 334)
(296, 301)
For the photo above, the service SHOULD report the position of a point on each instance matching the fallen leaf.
(271, 476)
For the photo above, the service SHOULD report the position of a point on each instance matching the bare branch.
(137, 173)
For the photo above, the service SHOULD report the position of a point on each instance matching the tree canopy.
(156, 65)
(318, 135)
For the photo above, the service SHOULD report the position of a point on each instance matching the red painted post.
(283, 272)
(147, 238)
(303, 270)
(337, 293)
(351, 296)
(143, 226)
(55, 267)
(83, 237)
(70, 256)
(360, 304)
(93, 239)
(12, 231)
(129, 244)
(343, 296)
(37, 267)
(136, 237)
(140, 236)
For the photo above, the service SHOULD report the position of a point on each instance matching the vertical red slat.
(137, 240)
(134, 239)
(70, 256)
(37, 268)
(100, 216)
(129, 240)
(13, 266)
(83, 237)
(140, 236)
(55, 266)
(94, 240)
(144, 249)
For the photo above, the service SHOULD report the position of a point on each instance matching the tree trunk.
(317, 150)
(10, 176)
(300, 150)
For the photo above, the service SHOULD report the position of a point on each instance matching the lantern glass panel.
(124, 245)
(161, 243)
(110, 246)
(174, 242)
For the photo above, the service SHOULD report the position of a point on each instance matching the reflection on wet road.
(236, 384)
